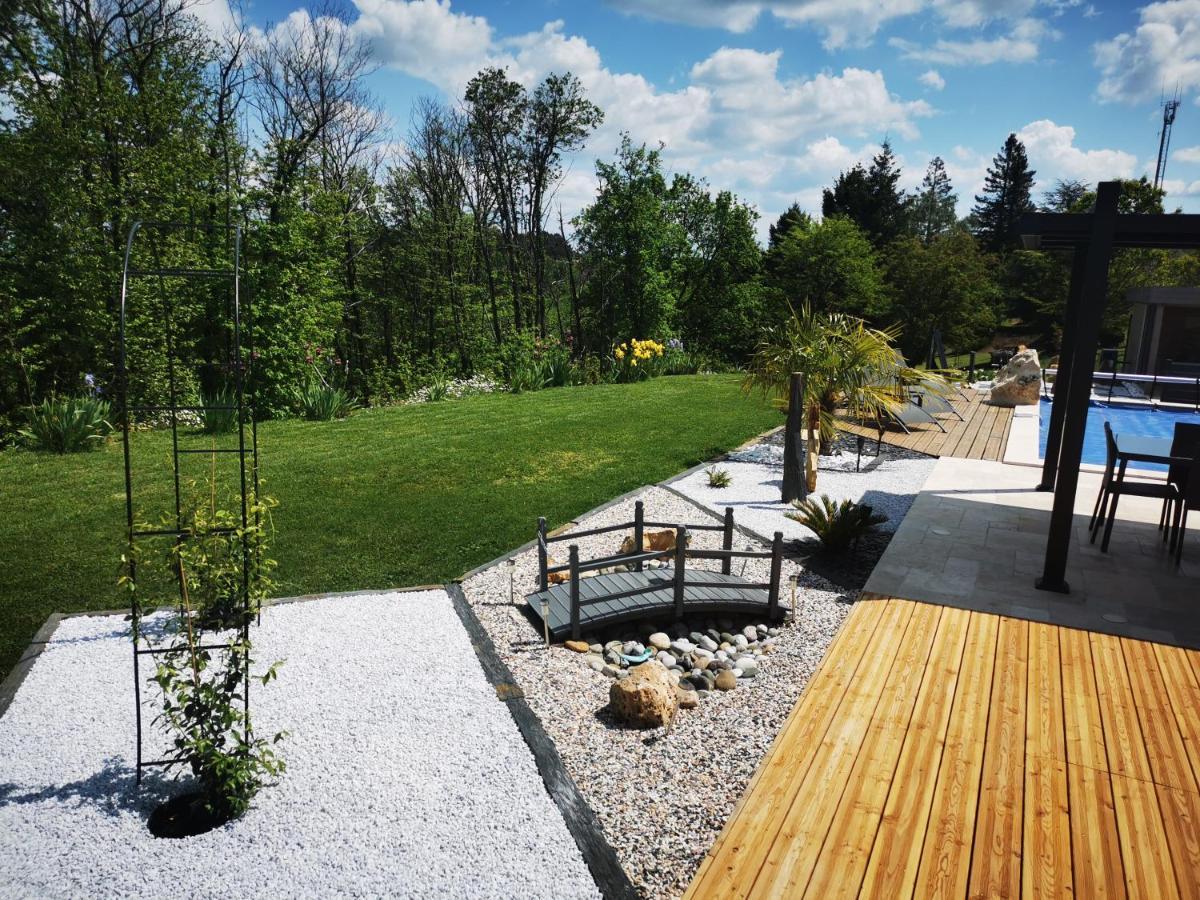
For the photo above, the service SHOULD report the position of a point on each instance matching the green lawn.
(389, 497)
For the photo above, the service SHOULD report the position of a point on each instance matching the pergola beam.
(1097, 251)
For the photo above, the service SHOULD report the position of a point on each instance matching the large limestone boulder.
(646, 698)
(1019, 382)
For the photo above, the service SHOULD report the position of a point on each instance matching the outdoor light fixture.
(546, 624)
(860, 440)
(512, 576)
(794, 578)
(746, 559)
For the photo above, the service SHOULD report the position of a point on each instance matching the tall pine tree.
(871, 198)
(1006, 197)
(933, 207)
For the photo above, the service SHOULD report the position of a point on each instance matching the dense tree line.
(450, 256)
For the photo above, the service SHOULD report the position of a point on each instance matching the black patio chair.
(1114, 486)
(1185, 479)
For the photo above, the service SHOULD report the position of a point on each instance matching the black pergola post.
(1086, 325)
(1062, 381)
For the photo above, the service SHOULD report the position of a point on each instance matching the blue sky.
(772, 99)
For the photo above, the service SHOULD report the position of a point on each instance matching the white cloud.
(1022, 44)
(1053, 154)
(970, 13)
(1177, 187)
(1161, 53)
(842, 22)
(215, 15)
(1187, 154)
(424, 38)
(932, 79)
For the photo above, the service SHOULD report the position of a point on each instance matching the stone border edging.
(12, 683)
(579, 817)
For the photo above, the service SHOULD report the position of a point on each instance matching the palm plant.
(846, 363)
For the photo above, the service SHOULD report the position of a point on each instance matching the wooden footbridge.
(625, 589)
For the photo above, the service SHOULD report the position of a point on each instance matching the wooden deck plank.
(749, 835)
(1183, 694)
(894, 858)
(845, 854)
(946, 850)
(996, 856)
(789, 863)
(1139, 818)
(1095, 848)
(1046, 850)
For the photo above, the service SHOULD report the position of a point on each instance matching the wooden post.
(639, 516)
(543, 584)
(727, 542)
(574, 563)
(680, 566)
(776, 569)
(794, 486)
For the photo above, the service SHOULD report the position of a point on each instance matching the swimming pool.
(1125, 419)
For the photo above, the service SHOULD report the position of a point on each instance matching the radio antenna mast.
(1170, 108)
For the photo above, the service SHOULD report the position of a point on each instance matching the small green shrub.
(323, 402)
(219, 413)
(718, 477)
(529, 375)
(556, 367)
(438, 388)
(67, 424)
(836, 525)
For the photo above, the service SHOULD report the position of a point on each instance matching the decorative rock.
(695, 637)
(713, 635)
(596, 648)
(763, 631)
(659, 641)
(645, 698)
(707, 643)
(750, 633)
(611, 671)
(687, 699)
(613, 645)
(683, 645)
(613, 657)
(632, 648)
(665, 659)
(772, 632)
(747, 667)
(722, 654)
(726, 681)
(740, 642)
(1019, 382)
(577, 646)
(595, 662)
(726, 637)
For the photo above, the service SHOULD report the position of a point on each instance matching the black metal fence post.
(680, 565)
(574, 564)
(727, 542)
(776, 570)
(795, 485)
(543, 582)
(639, 517)
(971, 367)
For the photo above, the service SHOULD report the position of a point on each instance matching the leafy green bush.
(556, 366)
(323, 402)
(718, 477)
(438, 388)
(219, 413)
(202, 675)
(68, 424)
(637, 360)
(836, 525)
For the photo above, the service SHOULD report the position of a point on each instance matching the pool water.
(1139, 420)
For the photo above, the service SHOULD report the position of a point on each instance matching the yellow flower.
(619, 353)
(633, 362)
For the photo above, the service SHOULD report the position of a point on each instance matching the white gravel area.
(406, 775)
(661, 799)
(888, 482)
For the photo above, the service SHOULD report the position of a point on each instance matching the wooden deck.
(705, 592)
(940, 752)
(982, 434)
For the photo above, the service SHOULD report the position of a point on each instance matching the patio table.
(1139, 448)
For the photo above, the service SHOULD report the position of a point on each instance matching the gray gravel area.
(662, 799)
(889, 482)
(406, 775)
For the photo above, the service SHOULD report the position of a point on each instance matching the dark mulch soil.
(849, 570)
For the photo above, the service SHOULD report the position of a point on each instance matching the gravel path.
(662, 799)
(406, 776)
(889, 482)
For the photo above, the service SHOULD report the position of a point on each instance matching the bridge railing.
(680, 554)
(637, 557)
